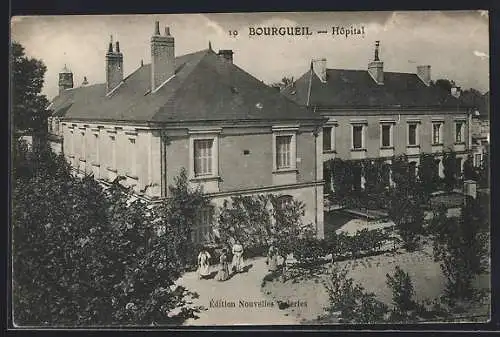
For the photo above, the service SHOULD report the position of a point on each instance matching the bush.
(364, 242)
(402, 290)
(258, 220)
(309, 250)
(461, 248)
(449, 169)
(407, 213)
(89, 255)
(427, 173)
(350, 299)
(180, 214)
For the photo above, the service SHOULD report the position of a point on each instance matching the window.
(436, 133)
(96, 142)
(113, 152)
(283, 152)
(284, 201)
(202, 232)
(459, 126)
(133, 158)
(357, 136)
(284, 147)
(83, 155)
(477, 159)
(412, 134)
(327, 138)
(386, 135)
(203, 157)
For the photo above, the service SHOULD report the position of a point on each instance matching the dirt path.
(228, 302)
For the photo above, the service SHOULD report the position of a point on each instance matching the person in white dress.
(203, 264)
(237, 264)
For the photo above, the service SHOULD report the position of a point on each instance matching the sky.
(454, 43)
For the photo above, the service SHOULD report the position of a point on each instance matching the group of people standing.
(237, 263)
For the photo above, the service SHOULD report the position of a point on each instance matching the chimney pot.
(424, 73)
(114, 66)
(162, 57)
(376, 67)
(65, 79)
(376, 57)
(157, 28)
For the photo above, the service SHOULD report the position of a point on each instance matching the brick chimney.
(376, 67)
(114, 66)
(162, 57)
(226, 54)
(65, 79)
(319, 68)
(424, 73)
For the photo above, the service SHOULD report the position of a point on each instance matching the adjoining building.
(232, 133)
(481, 130)
(373, 113)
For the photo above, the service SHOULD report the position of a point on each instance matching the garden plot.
(370, 272)
(356, 225)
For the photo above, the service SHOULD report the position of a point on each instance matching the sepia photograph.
(250, 169)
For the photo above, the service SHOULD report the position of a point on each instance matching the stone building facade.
(233, 134)
(373, 113)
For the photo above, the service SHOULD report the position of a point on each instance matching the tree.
(461, 248)
(400, 173)
(285, 82)
(28, 104)
(89, 255)
(473, 99)
(450, 170)
(470, 172)
(407, 213)
(182, 211)
(427, 174)
(444, 85)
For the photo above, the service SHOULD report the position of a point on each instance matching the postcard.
(250, 169)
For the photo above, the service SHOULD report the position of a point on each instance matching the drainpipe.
(469, 132)
(316, 134)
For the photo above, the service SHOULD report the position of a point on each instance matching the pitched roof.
(205, 87)
(357, 89)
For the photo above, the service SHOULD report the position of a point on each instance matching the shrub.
(427, 173)
(402, 290)
(180, 214)
(449, 170)
(258, 220)
(470, 172)
(350, 299)
(90, 256)
(364, 242)
(309, 250)
(407, 213)
(461, 249)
